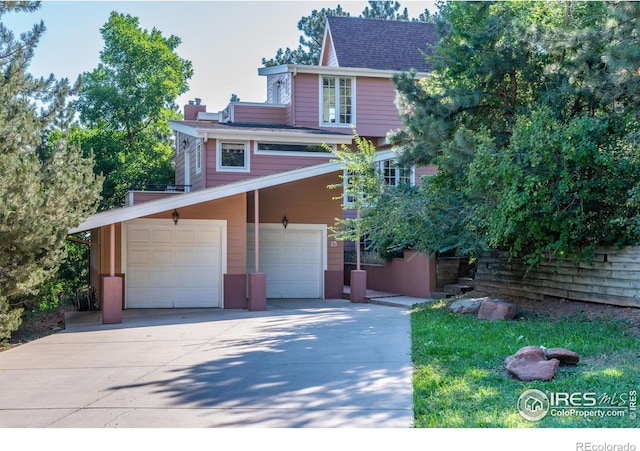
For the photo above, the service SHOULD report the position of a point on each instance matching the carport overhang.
(254, 185)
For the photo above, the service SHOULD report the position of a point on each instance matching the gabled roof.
(380, 44)
(205, 195)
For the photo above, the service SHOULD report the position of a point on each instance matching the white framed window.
(337, 104)
(394, 175)
(292, 149)
(233, 156)
(198, 156)
(391, 174)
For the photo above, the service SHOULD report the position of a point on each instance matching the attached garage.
(171, 265)
(294, 259)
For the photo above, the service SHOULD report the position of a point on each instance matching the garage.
(169, 265)
(294, 259)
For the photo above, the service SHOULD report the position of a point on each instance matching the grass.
(460, 381)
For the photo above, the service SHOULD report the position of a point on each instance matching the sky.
(224, 40)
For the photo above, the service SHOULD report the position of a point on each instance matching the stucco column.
(257, 279)
(112, 286)
(358, 286)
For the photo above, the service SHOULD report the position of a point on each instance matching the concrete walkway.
(301, 363)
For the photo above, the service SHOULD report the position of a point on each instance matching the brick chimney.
(192, 109)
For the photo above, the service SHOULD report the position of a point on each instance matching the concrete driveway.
(301, 363)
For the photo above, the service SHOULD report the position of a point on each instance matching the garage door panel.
(139, 257)
(292, 260)
(185, 236)
(208, 237)
(162, 236)
(136, 235)
(171, 266)
(162, 257)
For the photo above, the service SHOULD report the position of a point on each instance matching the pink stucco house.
(249, 214)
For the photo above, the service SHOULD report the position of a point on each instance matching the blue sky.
(225, 41)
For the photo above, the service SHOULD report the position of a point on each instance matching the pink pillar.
(257, 279)
(112, 300)
(358, 286)
(257, 291)
(112, 286)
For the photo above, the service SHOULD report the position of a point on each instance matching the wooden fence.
(613, 277)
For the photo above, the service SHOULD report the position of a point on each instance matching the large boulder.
(466, 306)
(496, 309)
(530, 364)
(565, 356)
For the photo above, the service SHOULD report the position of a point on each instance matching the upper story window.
(198, 156)
(233, 156)
(337, 101)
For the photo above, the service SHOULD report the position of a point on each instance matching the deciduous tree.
(126, 102)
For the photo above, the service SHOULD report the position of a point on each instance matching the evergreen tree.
(46, 187)
(530, 116)
(385, 10)
(310, 43)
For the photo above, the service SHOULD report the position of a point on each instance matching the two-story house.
(250, 213)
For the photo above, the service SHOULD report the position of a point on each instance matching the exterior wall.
(303, 202)
(283, 90)
(306, 101)
(197, 180)
(376, 112)
(425, 170)
(259, 113)
(260, 165)
(413, 275)
(140, 197)
(612, 278)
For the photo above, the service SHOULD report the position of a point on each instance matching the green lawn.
(460, 381)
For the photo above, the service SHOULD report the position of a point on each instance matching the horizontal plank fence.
(613, 277)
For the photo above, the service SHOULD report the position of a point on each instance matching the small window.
(292, 149)
(198, 156)
(233, 156)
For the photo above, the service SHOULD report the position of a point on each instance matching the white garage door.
(174, 266)
(293, 259)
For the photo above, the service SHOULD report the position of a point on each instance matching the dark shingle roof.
(255, 127)
(381, 44)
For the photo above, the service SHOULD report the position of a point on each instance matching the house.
(249, 214)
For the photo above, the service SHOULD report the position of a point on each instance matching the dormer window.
(337, 101)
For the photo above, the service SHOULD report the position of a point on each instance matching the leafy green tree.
(530, 117)
(361, 185)
(46, 187)
(126, 103)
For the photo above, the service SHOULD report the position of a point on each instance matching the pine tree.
(46, 188)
